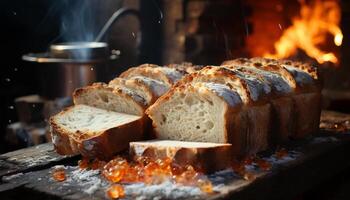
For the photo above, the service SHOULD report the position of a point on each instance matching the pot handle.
(119, 13)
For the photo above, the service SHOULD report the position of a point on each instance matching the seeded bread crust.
(208, 158)
(102, 145)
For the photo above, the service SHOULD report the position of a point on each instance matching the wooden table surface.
(26, 173)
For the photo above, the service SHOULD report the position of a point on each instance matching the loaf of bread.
(249, 103)
(208, 157)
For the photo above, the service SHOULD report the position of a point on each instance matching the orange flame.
(309, 30)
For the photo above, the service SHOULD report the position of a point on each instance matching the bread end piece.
(93, 132)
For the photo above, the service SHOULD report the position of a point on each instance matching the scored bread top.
(258, 87)
(304, 73)
(299, 76)
(167, 75)
(185, 67)
(157, 87)
(229, 95)
(222, 76)
(275, 81)
(138, 87)
(307, 68)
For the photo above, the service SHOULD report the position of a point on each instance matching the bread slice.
(118, 99)
(209, 157)
(210, 112)
(94, 132)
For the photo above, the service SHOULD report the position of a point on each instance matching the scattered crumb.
(165, 190)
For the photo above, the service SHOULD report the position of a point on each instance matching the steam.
(81, 21)
(78, 22)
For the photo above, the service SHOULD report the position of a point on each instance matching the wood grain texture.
(24, 160)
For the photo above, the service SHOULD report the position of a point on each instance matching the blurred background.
(204, 32)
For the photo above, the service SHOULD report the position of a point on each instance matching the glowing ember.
(309, 30)
(116, 191)
(148, 171)
(59, 174)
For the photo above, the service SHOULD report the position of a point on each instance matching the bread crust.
(102, 145)
(186, 67)
(134, 84)
(151, 71)
(208, 159)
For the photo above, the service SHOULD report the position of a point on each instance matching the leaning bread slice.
(118, 99)
(94, 132)
(209, 157)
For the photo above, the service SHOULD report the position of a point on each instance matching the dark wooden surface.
(29, 159)
(312, 161)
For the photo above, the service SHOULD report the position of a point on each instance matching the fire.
(309, 30)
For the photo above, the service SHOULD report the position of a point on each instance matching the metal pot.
(62, 74)
(68, 66)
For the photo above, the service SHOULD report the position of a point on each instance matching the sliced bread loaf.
(94, 132)
(209, 157)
